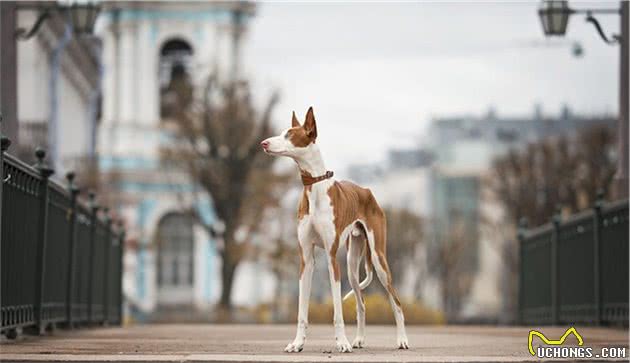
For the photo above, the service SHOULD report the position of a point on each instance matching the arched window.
(174, 75)
(175, 258)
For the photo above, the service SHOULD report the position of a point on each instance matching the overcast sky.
(377, 73)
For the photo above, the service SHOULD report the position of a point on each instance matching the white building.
(175, 262)
(58, 93)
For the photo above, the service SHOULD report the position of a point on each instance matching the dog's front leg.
(307, 265)
(343, 345)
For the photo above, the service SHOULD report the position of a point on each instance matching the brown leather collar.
(307, 179)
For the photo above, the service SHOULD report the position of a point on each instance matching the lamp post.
(79, 18)
(554, 16)
(81, 15)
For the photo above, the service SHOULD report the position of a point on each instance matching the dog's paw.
(402, 342)
(295, 347)
(343, 345)
(358, 342)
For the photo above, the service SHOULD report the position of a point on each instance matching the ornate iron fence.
(61, 258)
(576, 271)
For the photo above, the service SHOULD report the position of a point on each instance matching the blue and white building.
(174, 261)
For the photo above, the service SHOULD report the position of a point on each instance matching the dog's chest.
(320, 207)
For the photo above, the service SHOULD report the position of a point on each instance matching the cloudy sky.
(377, 73)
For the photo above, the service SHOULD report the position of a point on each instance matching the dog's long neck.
(312, 162)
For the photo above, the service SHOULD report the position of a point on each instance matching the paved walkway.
(265, 343)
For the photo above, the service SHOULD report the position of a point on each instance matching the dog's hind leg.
(355, 251)
(376, 239)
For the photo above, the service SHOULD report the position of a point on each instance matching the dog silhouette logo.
(560, 341)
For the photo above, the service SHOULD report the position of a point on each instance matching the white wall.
(74, 123)
(34, 93)
(131, 107)
(403, 189)
(33, 76)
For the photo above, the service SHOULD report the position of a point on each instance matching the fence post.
(72, 218)
(5, 140)
(121, 269)
(4, 145)
(40, 267)
(557, 218)
(520, 234)
(93, 219)
(597, 230)
(108, 249)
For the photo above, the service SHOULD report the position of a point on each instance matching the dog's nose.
(264, 144)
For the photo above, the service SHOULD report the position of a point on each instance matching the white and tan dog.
(330, 213)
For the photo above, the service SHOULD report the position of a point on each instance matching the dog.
(332, 212)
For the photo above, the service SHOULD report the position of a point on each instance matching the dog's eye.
(286, 136)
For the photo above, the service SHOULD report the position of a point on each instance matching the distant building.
(464, 148)
(410, 159)
(365, 173)
(146, 45)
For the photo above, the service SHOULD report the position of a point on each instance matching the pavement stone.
(265, 343)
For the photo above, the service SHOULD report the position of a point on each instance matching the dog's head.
(295, 141)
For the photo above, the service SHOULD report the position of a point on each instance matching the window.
(175, 250)
(174, 75)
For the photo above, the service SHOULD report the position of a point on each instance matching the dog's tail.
(368, 272)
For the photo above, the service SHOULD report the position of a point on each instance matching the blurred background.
(461, 117)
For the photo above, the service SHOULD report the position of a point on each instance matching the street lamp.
(554, 16)
(81, 15)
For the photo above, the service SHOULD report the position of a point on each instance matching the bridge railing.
(576, 271)
(60, 257)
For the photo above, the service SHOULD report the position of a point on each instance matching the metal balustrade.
(61, 257)
(576, 271)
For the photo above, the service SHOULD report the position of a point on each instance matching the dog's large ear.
(309, 125)
(294, 121)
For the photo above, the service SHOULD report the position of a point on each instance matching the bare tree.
(404, 235)
(566, 171)
(452, 266)
(284, 265)
(500, 234)
(216, 139)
